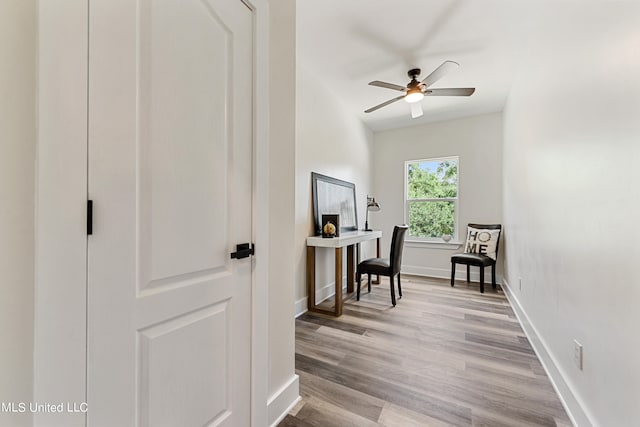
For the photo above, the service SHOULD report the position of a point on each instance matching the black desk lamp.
(372, 206)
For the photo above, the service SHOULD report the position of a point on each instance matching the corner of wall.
(281, 207)
(283, 400)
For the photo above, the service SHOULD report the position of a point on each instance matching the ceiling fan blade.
(439, 72)
(387, 85)
(384, 104)
(416, 110)
(459, 91)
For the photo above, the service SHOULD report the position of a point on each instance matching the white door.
(170, 174)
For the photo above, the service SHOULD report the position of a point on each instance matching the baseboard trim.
(575, 410)
(445, 273)
(300, 307)
(283, 401)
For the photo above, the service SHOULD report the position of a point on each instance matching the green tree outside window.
(432, 194)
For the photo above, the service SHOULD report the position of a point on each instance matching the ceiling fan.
(416, 90)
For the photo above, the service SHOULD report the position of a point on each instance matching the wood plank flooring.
(442, 357)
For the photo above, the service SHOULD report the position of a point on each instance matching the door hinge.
(89, 217)
(243, 250)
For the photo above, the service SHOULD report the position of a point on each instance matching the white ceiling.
(348, 43)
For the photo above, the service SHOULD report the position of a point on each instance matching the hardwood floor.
(442, 357)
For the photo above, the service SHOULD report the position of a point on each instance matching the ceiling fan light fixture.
(414, 95)
(416, 90)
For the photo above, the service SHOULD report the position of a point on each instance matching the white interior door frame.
(61, 193)
(260, 294)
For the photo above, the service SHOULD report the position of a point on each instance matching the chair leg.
(481, 279)
(358, 278)
(399, 287)
(453, 272)
(369, 283)
(468, 273)
(493, 276)
(393, 291)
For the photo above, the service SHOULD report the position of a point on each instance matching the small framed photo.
(330, 225)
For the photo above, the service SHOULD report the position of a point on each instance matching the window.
(431, 197)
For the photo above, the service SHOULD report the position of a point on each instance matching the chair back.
(490, 227)
(397, 244)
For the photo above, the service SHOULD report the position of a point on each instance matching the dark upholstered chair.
(385, 266)
(478, 260)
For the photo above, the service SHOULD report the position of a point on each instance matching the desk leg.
(377, 281)
(311, 278)
(351, 274)
(338, 277)
(311, 283)
(358, 249)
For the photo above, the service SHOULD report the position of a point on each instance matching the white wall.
(283, 383)
(572, 200)
(17, 169)
(477, 141)
(332, 142)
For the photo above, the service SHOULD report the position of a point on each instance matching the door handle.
(243, 250)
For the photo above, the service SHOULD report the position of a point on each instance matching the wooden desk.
(348, 240)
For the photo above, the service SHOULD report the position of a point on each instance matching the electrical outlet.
(520, 282)
(577, 354)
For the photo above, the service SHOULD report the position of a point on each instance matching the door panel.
(178, 354)
(184, 76)
(170, 140)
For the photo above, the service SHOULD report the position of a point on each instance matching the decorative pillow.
(482, 241)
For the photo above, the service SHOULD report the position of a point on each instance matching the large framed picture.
(332, 196)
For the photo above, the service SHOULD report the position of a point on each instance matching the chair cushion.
(472, 259)
(482, 241)
(375, 266)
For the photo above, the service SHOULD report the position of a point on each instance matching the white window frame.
(454, 236)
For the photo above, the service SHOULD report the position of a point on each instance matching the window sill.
(452, 245)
